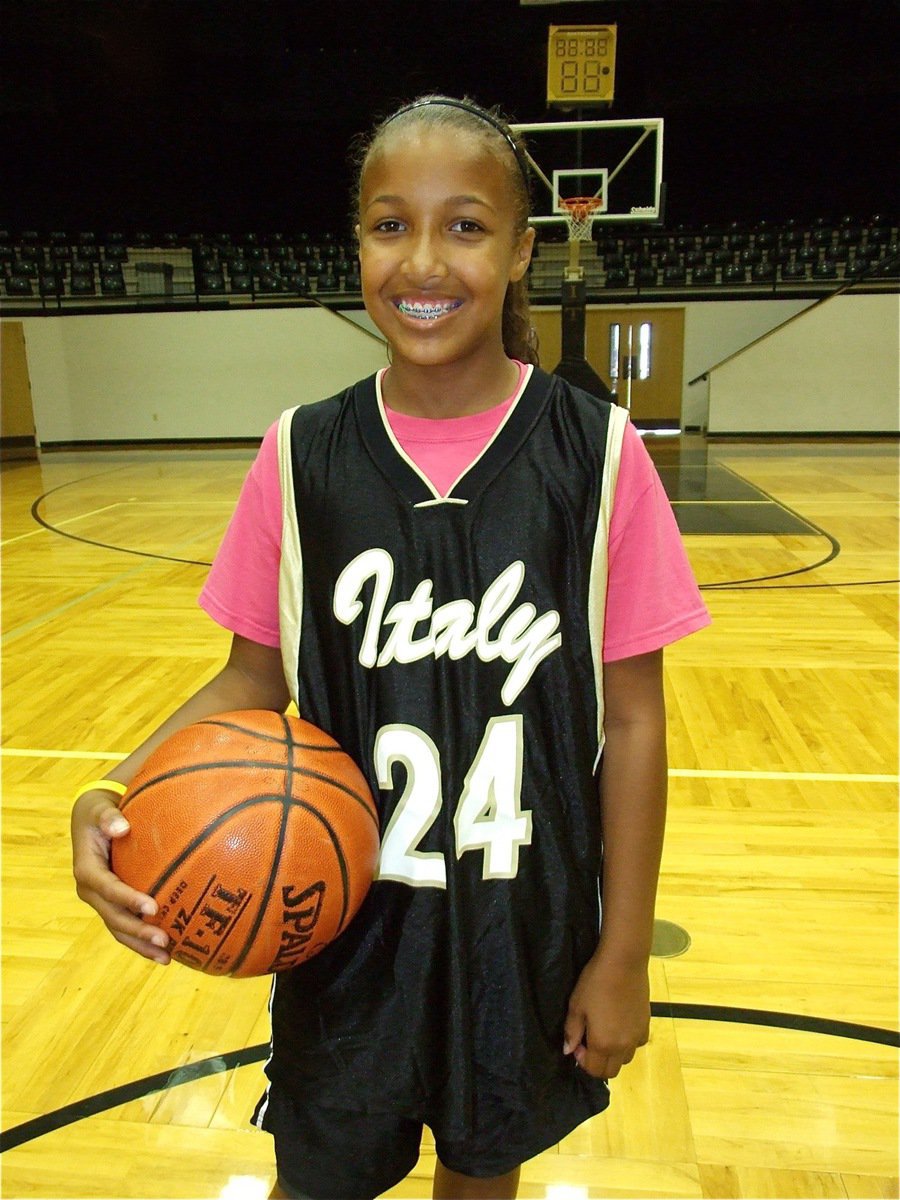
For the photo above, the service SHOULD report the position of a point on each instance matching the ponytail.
(519, 335)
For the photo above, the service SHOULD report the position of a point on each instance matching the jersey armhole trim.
(615, 433)
(290, 571)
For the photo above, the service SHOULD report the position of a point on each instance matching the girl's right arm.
(253, 677)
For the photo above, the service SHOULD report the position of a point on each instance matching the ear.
(356, 231)
(522, 257)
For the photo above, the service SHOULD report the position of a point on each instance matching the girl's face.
(438, 246)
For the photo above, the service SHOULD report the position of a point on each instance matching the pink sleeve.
(652, 598)
(241, 590)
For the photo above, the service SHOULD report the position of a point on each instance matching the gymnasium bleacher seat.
(736, 258)
(65, 271)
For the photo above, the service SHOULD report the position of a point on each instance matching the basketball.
(257, 836)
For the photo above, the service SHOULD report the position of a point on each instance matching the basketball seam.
(256, 764)
(335, 840)
(276, 862)
(209, 829)
(290, 768)
(334, 748)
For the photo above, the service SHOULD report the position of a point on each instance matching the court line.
(87, 755)
(29, 626)
(811, 776)
(18, 632)
(735, 584)
(68, 521)
(55, 528)
(674, 772)
(100, 1102)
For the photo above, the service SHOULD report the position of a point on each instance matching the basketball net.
(579, 213)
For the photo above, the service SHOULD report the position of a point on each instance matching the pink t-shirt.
(652, 597)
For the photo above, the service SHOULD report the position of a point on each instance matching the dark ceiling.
(227, 114)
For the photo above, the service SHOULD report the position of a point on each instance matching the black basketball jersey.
(453, 646)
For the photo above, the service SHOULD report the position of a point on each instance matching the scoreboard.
(581, 64)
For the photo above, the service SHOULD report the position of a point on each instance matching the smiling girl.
(465, 570)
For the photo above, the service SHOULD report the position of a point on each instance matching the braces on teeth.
(427, 312)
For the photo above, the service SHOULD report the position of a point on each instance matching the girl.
(465, 570)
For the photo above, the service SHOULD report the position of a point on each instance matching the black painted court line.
(92, 1106)
(798, 587)
(778, 1020)
(833, 553)
(74, 537)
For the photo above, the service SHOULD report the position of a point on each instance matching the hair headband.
(476, 112)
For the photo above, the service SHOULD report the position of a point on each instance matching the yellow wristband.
(103, 785)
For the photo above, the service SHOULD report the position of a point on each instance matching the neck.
(451, 390)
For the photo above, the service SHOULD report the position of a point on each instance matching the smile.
(425, 311)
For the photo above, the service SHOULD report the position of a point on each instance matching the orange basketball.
(256, 835)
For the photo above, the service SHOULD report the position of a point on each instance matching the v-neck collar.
(403, 473)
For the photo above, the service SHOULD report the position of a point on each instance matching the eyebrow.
(451, 200)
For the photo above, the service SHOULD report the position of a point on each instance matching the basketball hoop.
(579, 213)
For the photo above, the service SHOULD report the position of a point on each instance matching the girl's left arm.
(609, 1010)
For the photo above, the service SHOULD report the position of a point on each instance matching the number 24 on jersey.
(488, 816)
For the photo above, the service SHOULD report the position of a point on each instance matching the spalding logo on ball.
(256, 835)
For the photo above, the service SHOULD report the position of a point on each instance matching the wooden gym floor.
(771, 1070)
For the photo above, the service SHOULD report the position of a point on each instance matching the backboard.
(619, 161)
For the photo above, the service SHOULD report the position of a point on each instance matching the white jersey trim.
(261, 1111)
(615, 432)
(290, 573)
(449, 498)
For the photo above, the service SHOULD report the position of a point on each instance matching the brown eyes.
(393, 225)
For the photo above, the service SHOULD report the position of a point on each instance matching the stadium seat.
(83, 284)
(18, 285)
(112, 282)
(51, 283)
(850, 235)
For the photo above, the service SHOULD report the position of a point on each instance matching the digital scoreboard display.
(581, 64)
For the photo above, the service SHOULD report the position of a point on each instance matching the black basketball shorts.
(331, 1154)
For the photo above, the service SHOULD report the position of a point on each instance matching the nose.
(425, 258)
